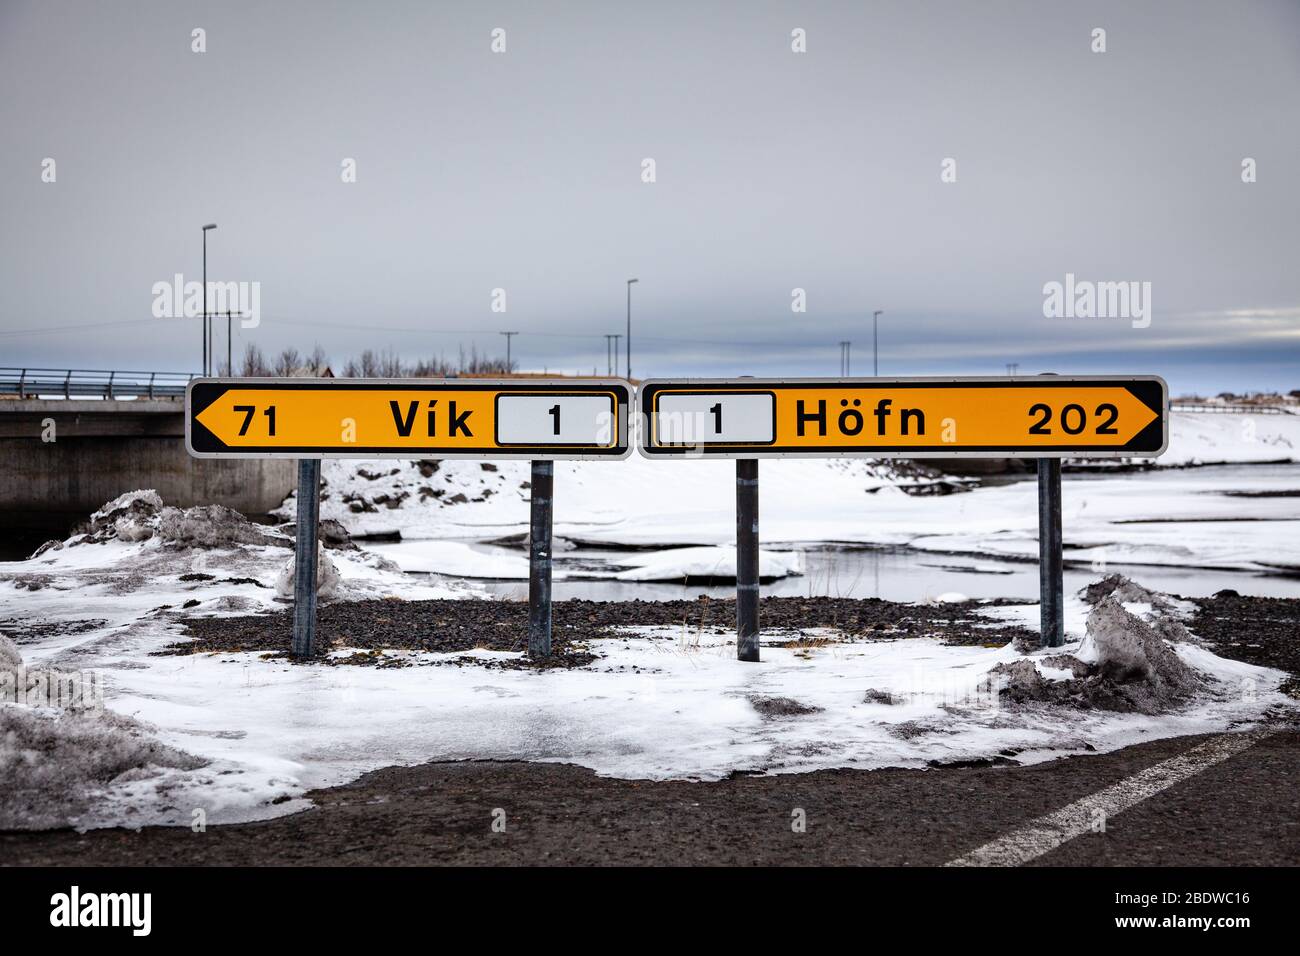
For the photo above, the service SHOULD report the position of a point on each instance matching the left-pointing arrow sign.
(370, 418)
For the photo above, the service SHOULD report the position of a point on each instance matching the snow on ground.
(1202, 438)
(677, 564)
(466, 560)
(657, 703)
(455, 558)
(1181, 518)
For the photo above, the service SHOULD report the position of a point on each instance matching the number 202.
(1073, 419)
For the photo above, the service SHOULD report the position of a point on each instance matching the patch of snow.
(677, 564)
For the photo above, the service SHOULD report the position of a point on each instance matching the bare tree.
(318, 361)
(288, 362)
(254, 363)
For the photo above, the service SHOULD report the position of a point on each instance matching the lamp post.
(508, 336)
(609, 354)
(875, 342)
(207, 334)
(629, 327)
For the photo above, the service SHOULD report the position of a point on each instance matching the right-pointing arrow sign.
(1047, 416)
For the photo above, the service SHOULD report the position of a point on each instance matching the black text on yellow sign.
(448, 418)
(1033, 417)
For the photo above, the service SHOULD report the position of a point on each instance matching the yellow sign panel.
(294, 418)
(1043, 416)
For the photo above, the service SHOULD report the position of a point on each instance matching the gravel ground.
(1257, 630)
(502, 625)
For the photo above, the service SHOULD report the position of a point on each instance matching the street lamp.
(629, 327)
(875, 345)
(207, 333)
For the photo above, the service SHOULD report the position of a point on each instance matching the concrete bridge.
(61, 458)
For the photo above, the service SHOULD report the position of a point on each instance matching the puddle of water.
(897, 575)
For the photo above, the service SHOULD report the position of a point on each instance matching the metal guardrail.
(1236, 408)
(91, 383)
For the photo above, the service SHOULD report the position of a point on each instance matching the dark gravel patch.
(1258, 630)
(464, 625)
(26, 631)
(775, 707)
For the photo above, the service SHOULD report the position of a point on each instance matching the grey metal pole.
(539, 560)
(875, 342)
(1050, 564)
(205, 301)
(230, 362)
(629, 326)
(304, 557)
(747, 559)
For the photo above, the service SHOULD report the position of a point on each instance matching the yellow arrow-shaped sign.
(1040, 416)
(486, 419)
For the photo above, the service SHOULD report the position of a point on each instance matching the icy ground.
(1197, 518)
(657, 703)
(243, 738)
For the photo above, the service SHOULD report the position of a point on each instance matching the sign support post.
(1050, 585)
(305, 556)
(539, 560)
(747, 635)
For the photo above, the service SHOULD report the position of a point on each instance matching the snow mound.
(328, 580)
(1124, 663)
(57, 762)
(142, 516)
(1127, 649)
(10, 658)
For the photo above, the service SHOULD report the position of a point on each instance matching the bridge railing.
(1233, 408)
(91, 383)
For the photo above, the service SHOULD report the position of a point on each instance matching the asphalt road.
(1244, 811)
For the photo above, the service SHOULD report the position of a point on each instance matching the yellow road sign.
(1034, 417)
(369, 418)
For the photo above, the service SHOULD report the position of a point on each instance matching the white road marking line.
(1050, 831)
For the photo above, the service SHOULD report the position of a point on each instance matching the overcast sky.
(775, 170)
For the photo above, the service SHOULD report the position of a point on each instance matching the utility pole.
(207, 338)
(616, 338)
(875, 342)
(230, 365)
(629, 326)
(844, 358)
(1013, 368)
(508, 335)
(610, 352)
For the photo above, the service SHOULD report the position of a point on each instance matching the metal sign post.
(747, 635)
(542, 420)
(304, 557)
(539, 559)
(1051, 588)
